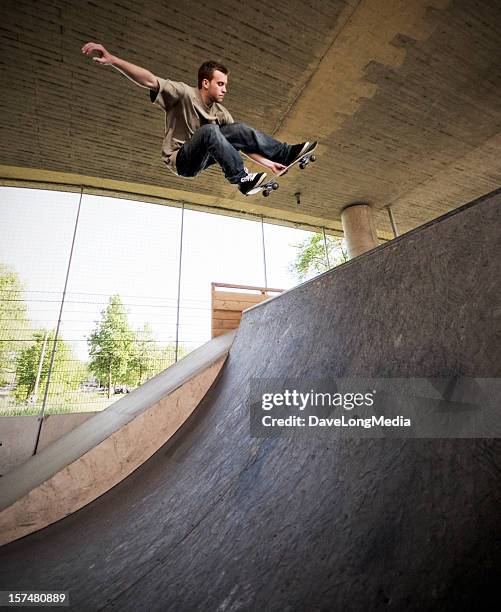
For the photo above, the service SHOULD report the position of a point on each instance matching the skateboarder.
(199, 131)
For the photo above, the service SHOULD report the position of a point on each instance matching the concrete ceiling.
(403, 95)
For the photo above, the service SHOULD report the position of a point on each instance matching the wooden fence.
(229, 301)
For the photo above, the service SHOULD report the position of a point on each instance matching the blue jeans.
(213, 144)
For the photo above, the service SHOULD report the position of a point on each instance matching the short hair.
(206, 71)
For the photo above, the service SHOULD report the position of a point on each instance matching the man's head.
(212, 80)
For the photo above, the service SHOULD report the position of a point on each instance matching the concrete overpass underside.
(402, 95)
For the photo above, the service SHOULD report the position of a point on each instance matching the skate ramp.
(95, 456)
(218, 520)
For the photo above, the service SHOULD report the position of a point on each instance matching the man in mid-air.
(199, 131)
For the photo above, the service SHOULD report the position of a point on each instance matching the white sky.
(132, 248)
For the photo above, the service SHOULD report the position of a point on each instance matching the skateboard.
(272, 184)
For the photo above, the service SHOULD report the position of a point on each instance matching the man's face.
(216, 87)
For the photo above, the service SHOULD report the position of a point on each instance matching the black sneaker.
(300, 150)
(251, 182)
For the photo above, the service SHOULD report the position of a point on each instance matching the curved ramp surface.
(218, 520)
(92, 458)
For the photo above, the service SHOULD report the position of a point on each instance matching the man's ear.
(205, 84)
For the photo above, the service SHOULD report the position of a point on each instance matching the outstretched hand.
(103, 55)
(275, 167)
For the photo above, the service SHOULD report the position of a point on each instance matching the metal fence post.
(179, 283)
(56, 335)
(326, 249)
(264, 253)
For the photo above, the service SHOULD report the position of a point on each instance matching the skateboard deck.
(273, 185)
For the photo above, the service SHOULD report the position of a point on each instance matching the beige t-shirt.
(185, 112)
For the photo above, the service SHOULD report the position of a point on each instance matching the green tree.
(112, 346)
(146, 356)
(15, 327)
(150, 357)
(311, 257)
(168, 355)
(33, 364)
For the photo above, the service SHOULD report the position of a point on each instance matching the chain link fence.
(97, 295)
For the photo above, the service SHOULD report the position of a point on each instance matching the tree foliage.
(112, 346)
(120, 356)
(149, 357)
(15, 327)
(144, 361)
(67, 372)
(311, 257)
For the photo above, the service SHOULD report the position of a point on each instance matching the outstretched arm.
(140, 76)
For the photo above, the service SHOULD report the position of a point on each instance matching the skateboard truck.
(272, 185)
(306, 160)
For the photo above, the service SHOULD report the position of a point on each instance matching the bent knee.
(236, 127)
(209, 130)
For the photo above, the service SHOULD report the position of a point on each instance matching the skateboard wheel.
(266, 193)
(275, 186)
(302, 165)
(313, 158)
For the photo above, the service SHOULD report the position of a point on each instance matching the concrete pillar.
(359, 229)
